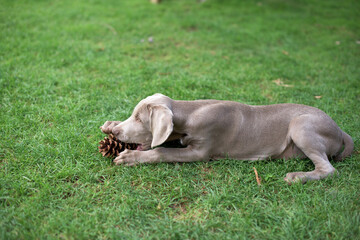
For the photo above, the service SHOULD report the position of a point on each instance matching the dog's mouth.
(142, 146)
(139, 147)
(132, 145)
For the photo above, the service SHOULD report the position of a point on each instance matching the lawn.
(68, 66)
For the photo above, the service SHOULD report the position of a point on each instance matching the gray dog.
(212, 129)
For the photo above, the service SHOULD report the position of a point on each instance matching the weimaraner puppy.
(212, 129)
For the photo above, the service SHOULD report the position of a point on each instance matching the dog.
(213, 129)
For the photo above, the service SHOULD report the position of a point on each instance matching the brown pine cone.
(112, 147)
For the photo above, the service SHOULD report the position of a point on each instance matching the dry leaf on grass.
(279, 82)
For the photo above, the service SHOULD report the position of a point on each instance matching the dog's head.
(150, 124)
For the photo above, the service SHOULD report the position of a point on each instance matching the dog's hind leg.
(314, 138)
(323, 168)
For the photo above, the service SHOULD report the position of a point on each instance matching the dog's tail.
(348, 147)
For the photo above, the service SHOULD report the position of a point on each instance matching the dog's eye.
(137, 118)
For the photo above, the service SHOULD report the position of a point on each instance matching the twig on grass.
(257, 177)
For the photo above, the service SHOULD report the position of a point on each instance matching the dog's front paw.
(128, 158)
(108, 126)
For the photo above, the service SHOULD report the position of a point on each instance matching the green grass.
(68, 66)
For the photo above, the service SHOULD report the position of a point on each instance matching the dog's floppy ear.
(161, 123)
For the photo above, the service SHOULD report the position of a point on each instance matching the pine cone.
(112, 147)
